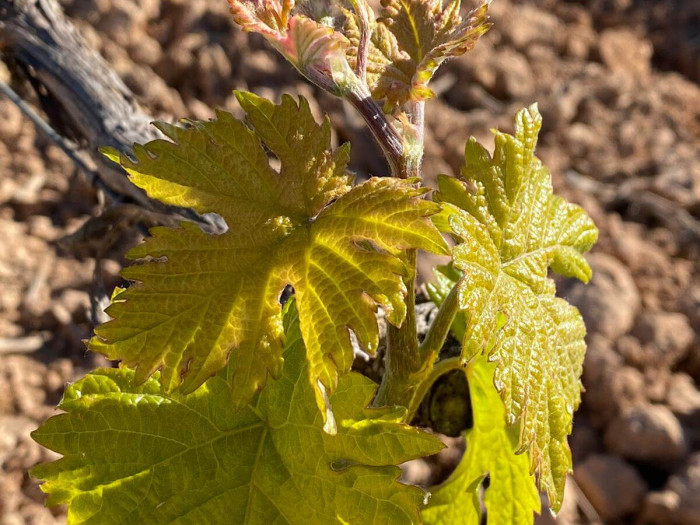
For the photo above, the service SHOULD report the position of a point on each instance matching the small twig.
(32, 297)
(405, 365)
(72, 154)
(21, 345)
(584, 503)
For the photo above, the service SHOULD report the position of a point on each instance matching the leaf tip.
(111, 153)
(247, 99)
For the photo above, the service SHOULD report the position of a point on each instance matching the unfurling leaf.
(511, 497)
(409, 42)
(133, 455)
(199, 298)
(511, 230)
(316, 50)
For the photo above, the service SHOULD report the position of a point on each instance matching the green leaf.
(512, 229)
(133, 455)
(199, 298)
(314, 48)
(410, 40)
(511, 497)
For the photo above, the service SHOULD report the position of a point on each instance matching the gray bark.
(84, 99)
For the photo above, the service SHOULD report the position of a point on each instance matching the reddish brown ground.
(621, 137)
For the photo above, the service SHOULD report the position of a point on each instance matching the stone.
(610, 302)
(42, 227)
(683, 397)
(690, 303)
(679, 502)
(579, 138)
(626, 52)
(415, 471)
(611, 484)
(659, 506)
(649, 433)
(600, 359)
(525, 25)
(12, 122)
(514, 77)
(628, 388)
(580, 41)
(585, 439)
(146, 51)
(657, 380)
(76, 302)
(631, 350)
(258, 65)
(610, 386)
(660, 279)
(665, 337)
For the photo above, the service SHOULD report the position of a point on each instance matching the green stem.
(440, 328)
(403, 360)
(440, 368)
(404, 364)
(406, 383)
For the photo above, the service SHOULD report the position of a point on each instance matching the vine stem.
(405, 383)
(383, 131)
(408, 365)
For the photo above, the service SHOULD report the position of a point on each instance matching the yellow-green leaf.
(199, 298)
(134, 455)
(511, 497)
(410, 40)
(512, 229)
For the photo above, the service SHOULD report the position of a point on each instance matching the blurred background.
(617, 84)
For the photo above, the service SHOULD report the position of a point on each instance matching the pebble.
(611, 484)
(610, 302)
(649, 433)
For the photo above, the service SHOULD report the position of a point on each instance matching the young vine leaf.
(512, 229)
(135, 455)
(410, 40)
(511, 497)
(314, 49)
(199, 298)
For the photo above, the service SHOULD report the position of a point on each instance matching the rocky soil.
(616, 81)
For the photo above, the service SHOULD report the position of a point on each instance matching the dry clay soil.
(616, 81)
